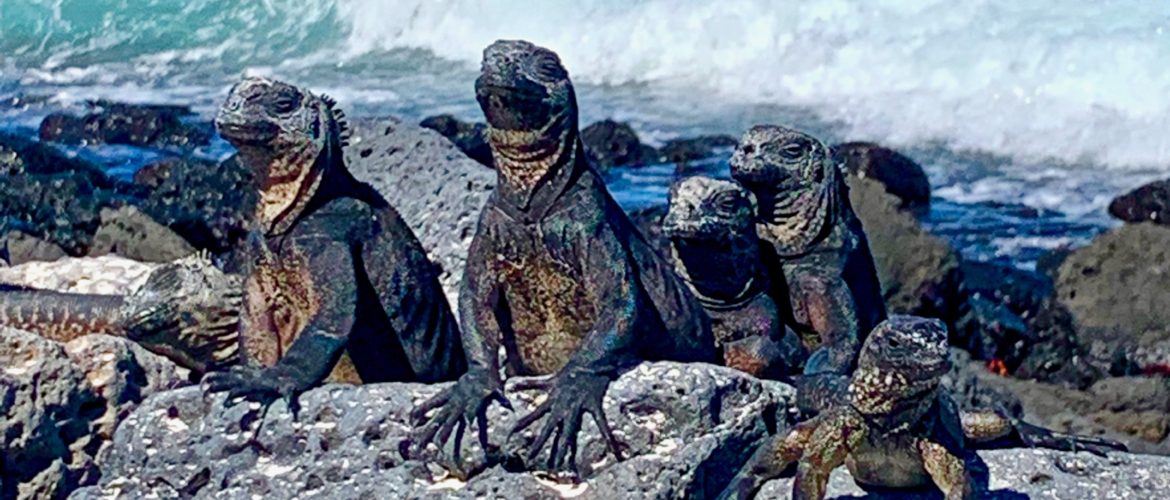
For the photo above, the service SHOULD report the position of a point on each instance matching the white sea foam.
(1073, 80)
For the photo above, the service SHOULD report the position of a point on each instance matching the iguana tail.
(60, 316)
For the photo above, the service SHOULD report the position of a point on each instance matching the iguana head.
(189, 311)
(711, 227)
(289, 137)
(795, 182)
(900, 367)
(531, 111)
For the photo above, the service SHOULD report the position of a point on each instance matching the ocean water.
(1028, 116)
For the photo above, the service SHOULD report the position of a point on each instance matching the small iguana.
(187, 310)
(710, 225)
(893, 424)
(818, 243)
(336, 280)
(556, 274)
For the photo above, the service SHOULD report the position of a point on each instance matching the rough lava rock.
(685, 428)
(132, 124)
(919, 272)
(613, 144)
(209, 204)
(1149, 203)
(686, 150)
(132, 234)
(62, 404)
(900, 175)
(1028, 473)
(1116, 291)
(105, 275)
(438, 190)
(471, 138)
(19, 248)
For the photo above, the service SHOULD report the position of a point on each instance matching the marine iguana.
(556, 274)
(710, 225)
(893, 425)
(818, 243)
(188, 310)
(336, 280)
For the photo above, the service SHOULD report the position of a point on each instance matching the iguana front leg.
(770, 460)
(995, 430)
(579, 388)
(316, 351)
(826, 449)
(480, 304)
(947, 470)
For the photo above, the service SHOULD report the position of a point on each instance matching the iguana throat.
(531, 111)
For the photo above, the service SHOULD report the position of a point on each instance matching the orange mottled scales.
(60, 316)
(547, 331)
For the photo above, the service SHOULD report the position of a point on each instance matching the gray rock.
(685, 428)
(471, 138)
(20, 248)
(613, 144)
(62, 404)
(438, 190)
(919, 272)
(1116, 291)
(1036, 474)
(132, 234)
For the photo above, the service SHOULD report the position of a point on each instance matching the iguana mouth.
(259, 134)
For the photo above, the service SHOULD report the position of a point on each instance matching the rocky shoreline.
(1085, 350)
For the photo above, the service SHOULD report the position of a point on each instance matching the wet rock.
(1149, 203)
(613, 144)
(1023, 473)
(471, 138)
(919, 272)
(686, 428)
(207, 203)
(682, 151)
(900, 175)
(132, 234)
(438, 190)
(23, 156)
(62, 209)
(62, 404)
(132, 124)
(1115, 290)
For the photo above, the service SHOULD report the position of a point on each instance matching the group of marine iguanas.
(769, 273)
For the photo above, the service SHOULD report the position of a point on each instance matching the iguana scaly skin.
(710, 225)
(556, 273)
(336, 281)
(818, 244)
(893, 425)
(188, 311)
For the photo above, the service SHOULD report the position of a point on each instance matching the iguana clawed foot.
(256, 384)
(571, 395)
(465, 402)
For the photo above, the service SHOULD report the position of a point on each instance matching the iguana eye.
(548, 67)
(727, 202)
(285, 104)
(793, 150)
